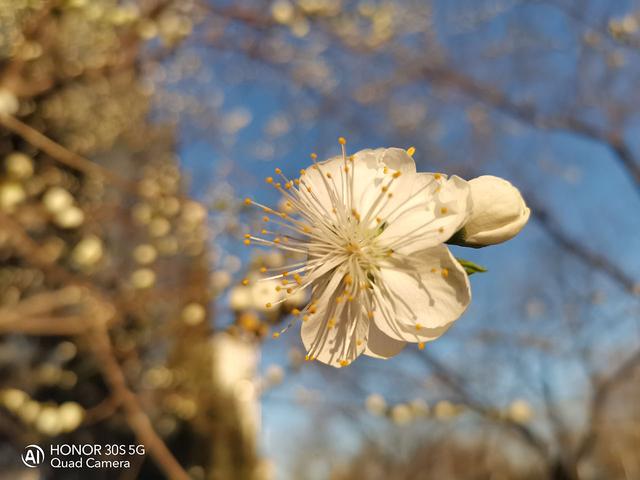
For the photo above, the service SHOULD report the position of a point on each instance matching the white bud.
(88, 251)
(498, 214)
(9, 103)
(401, 414)
(376, 404)
(520, 411)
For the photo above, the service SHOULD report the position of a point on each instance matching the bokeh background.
(130, 131)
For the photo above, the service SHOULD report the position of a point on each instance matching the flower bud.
(498, 214)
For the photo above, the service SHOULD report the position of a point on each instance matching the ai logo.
(33, 456)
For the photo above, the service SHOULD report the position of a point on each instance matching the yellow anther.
(434, 270)
(247, 201)
(276, 334)
(278, 288)
(331, 323)
(289, 290)
(351, 158)
(418, 326)
(247, 241)
(421, 345)
(358, 342)
(265, 219)
(245, 282)
(309, 189)
(445, 272)
(314, 156)
(276, 240)
(441, 230)
(306, 229)
(269, 179)
(344, 363)
(247, 235)
(302, 172)
(288, 185)
(285, 273)
(348, 279)
(305, 318)
(309, 358)
(278, 185)
(411, 151)
(385, 188)
(329, 175)
(342, 140)
(278, 171)
(437, 176)
(350, 298)
(268, 305)
(263, 231)
(444, 210)
(378, 220)
(385, 169)
(295, 312)
(338, 299)
(346, 169)
(390, 195)
(397, 174)
(263, 269)
(369, 314)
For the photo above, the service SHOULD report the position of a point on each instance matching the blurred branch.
(457, 385)
(603, 391)
(136, 416)
(581, 251)
(61, 154)
(95, 324)
(447, 77)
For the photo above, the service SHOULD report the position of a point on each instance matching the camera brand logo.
(33, 456)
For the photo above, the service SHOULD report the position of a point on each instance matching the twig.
(62, 154)
(136, 416)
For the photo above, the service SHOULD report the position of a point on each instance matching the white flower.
(498, 214)
(372, 230)
(258, 294)
(235, 360)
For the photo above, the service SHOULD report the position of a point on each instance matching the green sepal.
(470, 267)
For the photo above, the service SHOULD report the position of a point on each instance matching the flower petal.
(432, 211)
(398, 159)
(336, 334)
(418, 299)
(380, 345)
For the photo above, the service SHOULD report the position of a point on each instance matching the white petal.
(432, 213)
(419, 300)
(330, 184)
(380, 345)
(345, 340)
(399, 159)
